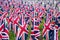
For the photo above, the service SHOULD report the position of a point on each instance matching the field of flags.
(29, 20)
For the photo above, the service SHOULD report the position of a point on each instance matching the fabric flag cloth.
(46, 30)
(22, 28)
(51, 35)
(56, 32)
(1, 29)
(4, 34)
(35, 27)
(21, 13)
(9, 21)
(47, 26)
(15, 23)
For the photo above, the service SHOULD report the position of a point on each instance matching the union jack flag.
(22, 28)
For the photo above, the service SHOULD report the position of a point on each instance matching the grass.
(11, 35)
(29, 33)
(59, 35)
